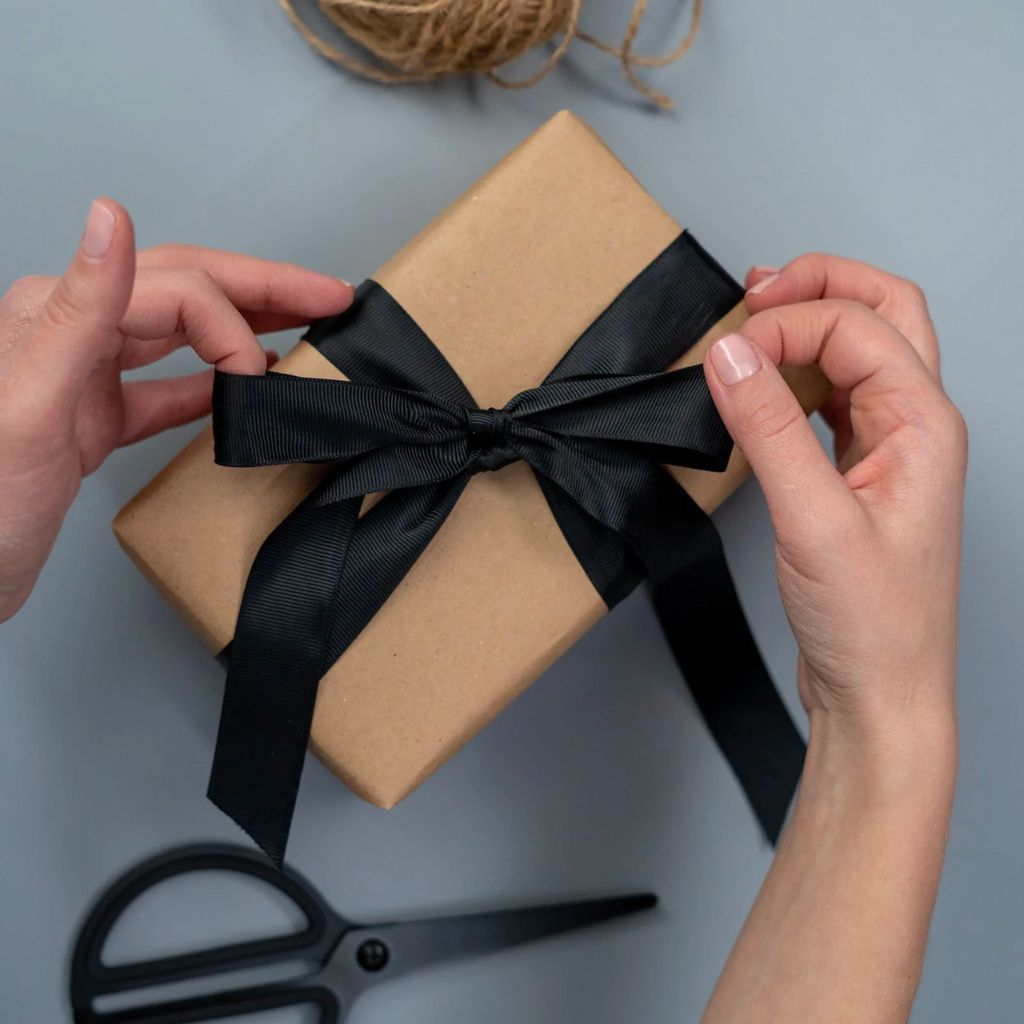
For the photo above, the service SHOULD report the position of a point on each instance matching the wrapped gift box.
(503, 283)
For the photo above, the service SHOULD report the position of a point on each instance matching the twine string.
(424, 40)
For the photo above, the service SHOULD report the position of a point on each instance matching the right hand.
(868, 554)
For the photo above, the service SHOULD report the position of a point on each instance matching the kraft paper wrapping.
(503, 282)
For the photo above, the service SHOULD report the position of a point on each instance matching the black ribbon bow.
(596, 434)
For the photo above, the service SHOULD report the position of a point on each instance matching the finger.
(155, 405)
(267, 323)
(766, 422)
(151, 406)
(189, 303)
(256, 285)
(820, 276)
(859, 352)
(758, 273)
(138, 352)
(77, 325)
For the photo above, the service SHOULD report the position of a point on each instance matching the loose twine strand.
(423, 40)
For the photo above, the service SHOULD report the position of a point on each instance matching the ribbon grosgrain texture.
(596, 434)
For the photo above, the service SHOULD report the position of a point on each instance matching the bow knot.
(489, 431)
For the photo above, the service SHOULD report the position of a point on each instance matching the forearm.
(839, 927)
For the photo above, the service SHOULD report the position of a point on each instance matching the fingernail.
(763, 268)
(99, 231)
(762, 285)
(734, 359)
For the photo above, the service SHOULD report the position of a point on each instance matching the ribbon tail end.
(270, 837)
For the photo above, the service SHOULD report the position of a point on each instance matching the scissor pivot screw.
(373, 955)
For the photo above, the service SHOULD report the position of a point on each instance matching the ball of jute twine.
(423, 40)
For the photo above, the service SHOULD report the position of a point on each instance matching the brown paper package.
(503, 282)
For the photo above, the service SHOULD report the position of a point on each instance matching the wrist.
(898, 758)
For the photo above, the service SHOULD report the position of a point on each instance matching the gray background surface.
(891, 132)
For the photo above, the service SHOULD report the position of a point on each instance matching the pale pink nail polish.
(734, 359)
(99, 231)
(762, 285)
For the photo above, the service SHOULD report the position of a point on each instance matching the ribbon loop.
(277, 419)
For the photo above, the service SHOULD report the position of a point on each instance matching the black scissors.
(353, 956)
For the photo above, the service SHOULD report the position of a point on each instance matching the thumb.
(768, 425)
(78, 326)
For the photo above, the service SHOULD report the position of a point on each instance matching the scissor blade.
(413, 944)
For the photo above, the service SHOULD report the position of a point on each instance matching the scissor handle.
(92, 978)
(213, 1008)
(224, 1004)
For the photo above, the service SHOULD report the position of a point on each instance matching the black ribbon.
(596, 434)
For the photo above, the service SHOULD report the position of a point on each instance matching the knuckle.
(270, 294)
(808, 267)
(942, 430)
(197, 279)
(15, 295)
(908, 298)
(198, 291)
(953, 427)
(808, 259)
(774, 417)
(200, 302)
(66, 305)
(25, 294)
(911, 292)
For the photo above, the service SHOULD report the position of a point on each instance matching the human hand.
(868, 554)
(64, 343)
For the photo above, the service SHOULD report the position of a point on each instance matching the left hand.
(64, 343)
